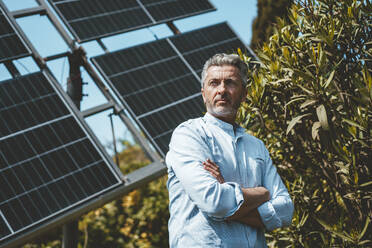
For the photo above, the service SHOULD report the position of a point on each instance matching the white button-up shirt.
(199, 205)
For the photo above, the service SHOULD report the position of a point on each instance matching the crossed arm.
(253, 197)
(224, 201)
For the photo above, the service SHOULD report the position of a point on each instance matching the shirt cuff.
(239, 199)
(268, 216)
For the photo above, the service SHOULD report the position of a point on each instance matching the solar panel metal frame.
(182, 16)
(127, 106)
(69, 210)
(20, 40)
(143, 8)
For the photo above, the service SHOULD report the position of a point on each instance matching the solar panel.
(93, 19)
(48, 161)
(165, 10)
(158, 82)
(11, 46)
(199, 45)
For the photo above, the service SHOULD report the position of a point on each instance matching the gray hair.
(221, 59)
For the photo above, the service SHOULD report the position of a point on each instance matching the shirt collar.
(210, 119)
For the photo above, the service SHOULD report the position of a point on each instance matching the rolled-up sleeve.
(278, 211)
(187, 150)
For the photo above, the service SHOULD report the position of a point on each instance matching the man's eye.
(230, 81)
(213, 83)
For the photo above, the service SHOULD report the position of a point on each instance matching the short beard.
(224, 112)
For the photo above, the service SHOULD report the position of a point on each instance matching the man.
(223, 189)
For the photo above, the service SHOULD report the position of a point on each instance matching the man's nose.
(221, 88)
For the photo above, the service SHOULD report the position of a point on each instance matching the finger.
(212, 164)
(212, 171)
(211, 168)
(216, 175)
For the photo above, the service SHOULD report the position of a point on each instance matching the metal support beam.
(103, 46)
(173, 27)
(57, 56)
(117, 161)
(39, 10)
(98, 109)
(12, 69)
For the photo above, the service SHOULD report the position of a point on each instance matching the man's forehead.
(223, 70)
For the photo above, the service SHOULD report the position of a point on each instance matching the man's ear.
(202, 91)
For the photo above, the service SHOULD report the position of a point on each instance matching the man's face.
(223, 92)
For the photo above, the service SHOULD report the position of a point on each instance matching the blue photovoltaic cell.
(11, 46)
(93, 19)
(159, 81)
(47, 162)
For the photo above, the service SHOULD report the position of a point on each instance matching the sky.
(238, 13)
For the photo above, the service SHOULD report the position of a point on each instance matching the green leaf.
(307, 103)
(294, 100)
(364, 242)
(329, 80)
(315, 129)
(364, 229)
(294, 121)
(322, 116)
(305, 75)
(352, 123)
(303, 219)
(306, 90)
(337, 233)
(281, 80)
(365, 184)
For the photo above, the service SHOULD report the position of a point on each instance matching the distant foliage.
(310, 100)
(267, 13)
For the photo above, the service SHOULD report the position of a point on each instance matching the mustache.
(222, 97)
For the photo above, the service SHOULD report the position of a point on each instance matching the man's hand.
(213, 168)
(252, 218)
(253, 197)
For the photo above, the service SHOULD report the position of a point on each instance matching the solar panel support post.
(75, 82)
(75, 91)
(70, 234)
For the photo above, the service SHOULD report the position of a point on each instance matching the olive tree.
(310, 100)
